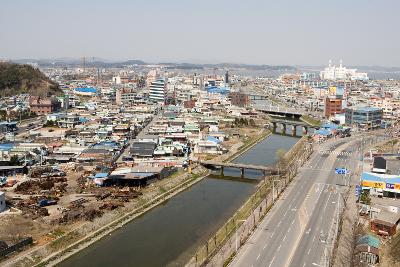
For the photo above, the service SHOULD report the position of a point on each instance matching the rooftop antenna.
(341, 63)
(84, 64)
(98, 76)
(330, 63)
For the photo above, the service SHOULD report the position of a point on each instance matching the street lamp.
(273, 189)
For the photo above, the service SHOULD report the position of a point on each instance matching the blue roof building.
(86, 91)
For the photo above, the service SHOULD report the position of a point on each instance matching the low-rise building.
(364, 117)
(333, 106)
(43, 106)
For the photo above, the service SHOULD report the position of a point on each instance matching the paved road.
(126, 151)
(296, 231)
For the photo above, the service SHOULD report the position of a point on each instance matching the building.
(333, 106)
(85, 91)
(385, 185)
(367, 249)
(6, 126)
(364, 117)
(2, 201)
(43, 106)
(142, 149)
(239, 99)
(69, 120)
(158, 91)
(342, 73)
(382, 227)
(125, 96)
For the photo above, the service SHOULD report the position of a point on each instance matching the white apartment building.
(342, 73)
(158, 91)
(390, 107)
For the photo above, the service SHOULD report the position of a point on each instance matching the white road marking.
(279, 248)
(264, 246)
(270, 264)
(284, 238)
(258, 256)
(309, 250)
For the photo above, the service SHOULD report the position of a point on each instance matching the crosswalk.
(336, 153)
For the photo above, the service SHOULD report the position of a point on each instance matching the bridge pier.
(274, 126)
(283, 128)
(241, 172)
(294, 127)
(222, 171)
(305, 130)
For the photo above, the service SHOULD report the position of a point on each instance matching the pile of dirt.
(79, 214)
(34, 186)
(110, 205)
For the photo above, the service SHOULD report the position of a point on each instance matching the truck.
(46, 202)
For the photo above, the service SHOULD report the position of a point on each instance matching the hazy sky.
(308, 32)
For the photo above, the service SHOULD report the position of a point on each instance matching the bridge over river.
(267, 170)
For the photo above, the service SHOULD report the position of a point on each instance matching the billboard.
(332, 90)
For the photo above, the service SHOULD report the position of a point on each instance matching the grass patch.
(309, 120)
(228, 260)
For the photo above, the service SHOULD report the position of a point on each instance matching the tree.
(14, 160)
(280, 158)
(365, 198)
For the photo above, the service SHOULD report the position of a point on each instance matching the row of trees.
(244, 122)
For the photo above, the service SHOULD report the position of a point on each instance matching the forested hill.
(18, 79)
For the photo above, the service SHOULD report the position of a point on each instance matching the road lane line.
(284, 238)
(272, 261)
(258, 256)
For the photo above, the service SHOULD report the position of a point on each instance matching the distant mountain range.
(102, 63)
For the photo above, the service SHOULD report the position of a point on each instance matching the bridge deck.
(297, 123)
(238, 165)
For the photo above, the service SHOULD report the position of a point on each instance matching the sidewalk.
(343, 254)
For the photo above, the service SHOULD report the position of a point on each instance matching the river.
(169, 234)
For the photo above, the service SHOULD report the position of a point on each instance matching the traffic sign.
(341, 171)
(358, 190)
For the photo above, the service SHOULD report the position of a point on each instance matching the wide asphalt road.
(299, 229)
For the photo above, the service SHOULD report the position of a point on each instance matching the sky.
(284, 32)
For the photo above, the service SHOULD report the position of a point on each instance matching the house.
(384, 227)
(42, 106)
(142, 149)
(367, 249)
(69, 121)
(207, 147)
